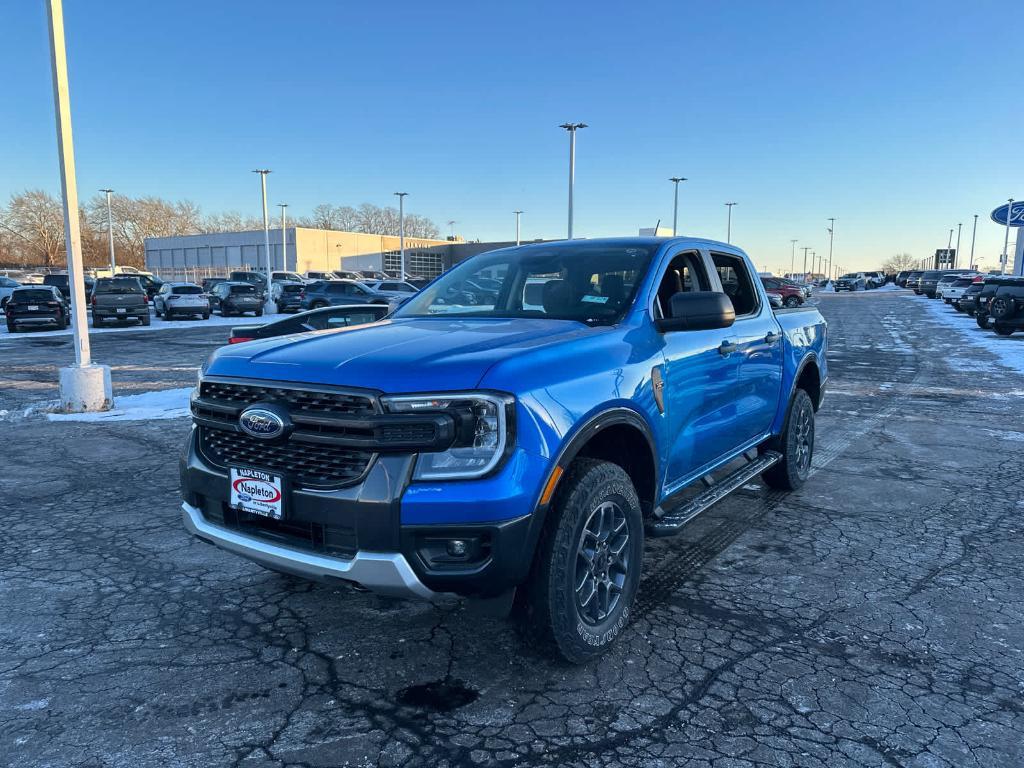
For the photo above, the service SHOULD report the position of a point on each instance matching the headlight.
(484, 429)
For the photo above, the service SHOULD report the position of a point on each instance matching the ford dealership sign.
(1013, 211)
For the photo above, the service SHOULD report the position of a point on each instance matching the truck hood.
(414, 355)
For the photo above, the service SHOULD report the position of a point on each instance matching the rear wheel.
(11, 327)
(792, 301)
(1003, 330)
(981, 320)
(206, 315)
(587, 567)
(145, 319)
(796, 444)
(259, 312)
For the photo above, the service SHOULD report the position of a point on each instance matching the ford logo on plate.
(261, 422)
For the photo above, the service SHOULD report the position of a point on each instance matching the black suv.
(969, 300)
(913, 281)
(981, 302)
(1007, 306)
(231, 298)
(39, 306)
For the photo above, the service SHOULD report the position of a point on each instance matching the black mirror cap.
(698, 311)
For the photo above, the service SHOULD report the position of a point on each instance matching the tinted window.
(28, 295)
(291, 289)
(963, 281)
(186, 290)
(684, 273)
(732, 271)
(243, 288)
(118, 285)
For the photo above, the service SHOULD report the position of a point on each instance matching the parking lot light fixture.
(675, 203)
(572, 128)
(518, 215)
(974, 233)
(266, 227)
(805, 249)
(728, 226)
(110, 231)
(401, 234)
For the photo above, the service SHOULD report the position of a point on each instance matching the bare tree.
(899, 262)
(327, 216)
(229, 221)
(38, 219)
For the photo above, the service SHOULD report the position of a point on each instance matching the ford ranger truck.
(517, 450)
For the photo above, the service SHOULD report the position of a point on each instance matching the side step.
(680, 516)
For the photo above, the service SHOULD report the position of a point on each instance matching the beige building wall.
(325, 249)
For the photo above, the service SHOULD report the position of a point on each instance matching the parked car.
(258, 279)
(119, 299)
(929, 282)
(968, 300)
(874, 279)
(292, 277)
(59, 280)
(901, 278)
(209, 283)
(498, 451)
(852, 281)
(913, 281)
(325, 318)
(344, 274)
(792, 296)
(332, 292)
(181, 300)
(39, 306)
(395, 288)
(981, 305)
(236, 298)
(945, 282)
(1007, 306)
(315, 275)
(374, 274)
(952, 292)
(775, 299)
(287, 296)
(7, 286)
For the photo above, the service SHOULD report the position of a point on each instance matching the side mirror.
(698, 311)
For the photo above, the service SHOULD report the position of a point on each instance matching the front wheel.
(587, 567)
(792, 301)
(796, 444)
(981, 320)
(1003, 330)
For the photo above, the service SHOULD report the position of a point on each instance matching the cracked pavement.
(874, 618)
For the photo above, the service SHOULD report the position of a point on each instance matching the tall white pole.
(572, 128)
(831, 237)
(956, 253)
(68, 182)
(728, 226)
(675, 204)
(266, 228)
(806, 248)
(1006, 240)
(110, 232)
(792, 257)
(974, 233)
(284, 237)
(518, 214)
(401, 233)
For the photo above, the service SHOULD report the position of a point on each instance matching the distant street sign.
(1016, 215)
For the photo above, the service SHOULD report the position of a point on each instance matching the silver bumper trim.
(386, 573)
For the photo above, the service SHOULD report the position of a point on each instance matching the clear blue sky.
(898, 118)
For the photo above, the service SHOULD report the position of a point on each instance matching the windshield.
(849, 276)
(593, 283)
(118, 285)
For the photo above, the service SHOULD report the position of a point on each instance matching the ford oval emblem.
(262, 423)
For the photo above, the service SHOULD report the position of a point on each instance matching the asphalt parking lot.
(874, 618)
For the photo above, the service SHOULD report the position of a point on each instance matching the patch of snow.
(1009, 350)
(147, 406)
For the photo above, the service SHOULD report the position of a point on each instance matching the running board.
(674, 520)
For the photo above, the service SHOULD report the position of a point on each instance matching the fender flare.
(809, 358)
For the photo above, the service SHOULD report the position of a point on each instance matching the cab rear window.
(243, 289)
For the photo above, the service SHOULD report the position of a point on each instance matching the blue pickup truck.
(518, 449)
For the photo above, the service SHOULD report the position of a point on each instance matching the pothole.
(438, 696)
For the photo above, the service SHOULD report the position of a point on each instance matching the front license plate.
(33, 307)
(121, 310)
(257, 492)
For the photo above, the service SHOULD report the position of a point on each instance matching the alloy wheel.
(602, 562)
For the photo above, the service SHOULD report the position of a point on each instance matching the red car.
(791, 295)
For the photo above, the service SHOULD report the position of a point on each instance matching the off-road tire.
(796, 444)
(1002, 307)
(549, 604)
(206, 315)
(1003, 330)
(981, 320)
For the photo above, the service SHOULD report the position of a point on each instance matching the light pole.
(451, 229)
(572, 128)
(1006, 240)
(266, 226)
(675, 204)
(401, 233)
(974, 232)
(83, 386)
(956, 253)
(805, 249)
(728, 226)
(520, 213)
(110, 231)
(284, 237)
(831, 236)
(792, 256)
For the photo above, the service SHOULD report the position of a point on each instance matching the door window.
(684, 273)
(736, 282)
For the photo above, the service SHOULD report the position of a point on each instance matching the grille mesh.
(300, 399)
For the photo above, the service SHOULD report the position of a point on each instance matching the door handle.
(772, 337)
(726, 348)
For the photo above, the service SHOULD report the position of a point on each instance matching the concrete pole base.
(85, 388)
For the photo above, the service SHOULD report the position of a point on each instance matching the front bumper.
(388, 574)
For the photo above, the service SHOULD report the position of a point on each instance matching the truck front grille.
(304, 400)
(306, 464)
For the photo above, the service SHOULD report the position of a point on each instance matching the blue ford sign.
(1013, 211)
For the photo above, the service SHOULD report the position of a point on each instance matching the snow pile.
(889, 287)
(827, 288)
(1009, 350)
(156, 324)
(147, 406)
